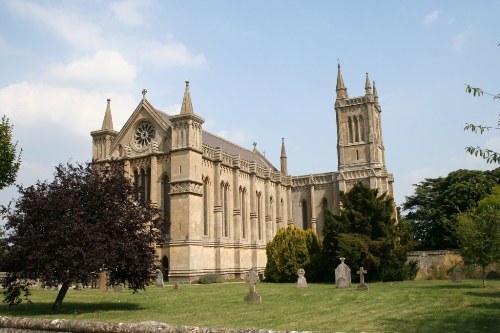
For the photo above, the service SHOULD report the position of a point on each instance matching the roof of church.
(228, 147)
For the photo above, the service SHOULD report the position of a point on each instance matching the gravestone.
(301, 281)
(456, 274)
(103, 281)
(252, 278)
(362, 285)
(342, 275)
(79, 286)
(159, 279)
(177, 285)
(118, 288)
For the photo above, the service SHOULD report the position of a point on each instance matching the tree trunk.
(484, 277)
(60, 296)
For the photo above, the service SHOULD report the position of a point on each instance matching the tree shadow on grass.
(495, 294)
(452, 286)
(43, 308)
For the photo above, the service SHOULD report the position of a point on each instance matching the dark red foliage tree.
(84, 222)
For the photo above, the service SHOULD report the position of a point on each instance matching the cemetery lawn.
(410, 306)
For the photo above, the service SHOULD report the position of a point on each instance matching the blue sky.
(259, 71)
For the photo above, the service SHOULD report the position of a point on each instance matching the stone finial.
(375, 94)
(187, 106)
(144, 92)
(284, 166)
(341, 89)
(368, 87)
(254, 146)
(107, 123)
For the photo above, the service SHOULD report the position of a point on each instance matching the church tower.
(103, 138)
(359, 135)
(360, 148)
(186, 189)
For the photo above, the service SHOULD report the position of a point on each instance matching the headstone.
(159, 279)
(342, 275)
(59, 287)
(177, 285)
(79, 286)
(103, 281)
(118, 288)
(362, 285)
(252, 278)
(301, 281)
(456, 274)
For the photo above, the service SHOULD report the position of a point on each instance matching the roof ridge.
(225, 140)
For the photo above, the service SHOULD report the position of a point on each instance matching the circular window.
(144, 134)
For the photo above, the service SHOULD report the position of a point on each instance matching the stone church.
(222, 203)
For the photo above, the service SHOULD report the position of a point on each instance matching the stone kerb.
(87, 326)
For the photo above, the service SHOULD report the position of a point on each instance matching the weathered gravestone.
(362, 285)
(177, 285)
(252, 278)
(103, 281)
(456, 274)
(118, 288)
(159, 279)
(301, 281)
(342, 275)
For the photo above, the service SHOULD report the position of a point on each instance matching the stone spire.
(375, 95)
(284, 167)
(187, 107)
(341, 89)
(368, 87)
(107, 123)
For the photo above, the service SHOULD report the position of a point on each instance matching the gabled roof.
(228, 147)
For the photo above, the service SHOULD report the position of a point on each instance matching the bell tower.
(359, 134)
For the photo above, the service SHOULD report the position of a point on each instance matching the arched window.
(356, 129)
(361, 129)
(324, 209)
(271, 217)
(147, 185)
(259, 215)
(282, 211)
(243, 193)
(225, 209)
(165, 189)
(349, 129)
(136, 184)
(206, 214)
(304, 214)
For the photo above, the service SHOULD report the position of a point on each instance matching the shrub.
(286, 253)
(210, 278)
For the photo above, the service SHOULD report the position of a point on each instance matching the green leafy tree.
(433, 208)
(289, 251)
(366, 234)
(478, 232)
(489, 155)
(84, 222)
(10, 160)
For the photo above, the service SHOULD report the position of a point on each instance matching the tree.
(478, 232)
(489, 155)
(84, 222)
(291, 249)
(366, 234)
(10, 161)
(433, 208)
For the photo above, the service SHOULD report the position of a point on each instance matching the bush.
(210, 278)
(410, 270)
(286, 253)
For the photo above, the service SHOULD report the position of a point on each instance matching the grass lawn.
(410, 306)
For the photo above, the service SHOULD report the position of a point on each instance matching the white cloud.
(36, 104)
(432, 17)
(237, 136)
(128, 11)
(104, 66)
(170, 54)
(63, 22)
(459, 39)
(172, 109)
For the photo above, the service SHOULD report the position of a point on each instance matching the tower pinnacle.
(284, 167)
(375, 95)
(368, 87)
(107, 123)
(187, 106)
(341, 89)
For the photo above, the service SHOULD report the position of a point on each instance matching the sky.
(259, 71)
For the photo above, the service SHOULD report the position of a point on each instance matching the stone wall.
(434, 264)
(15, 324)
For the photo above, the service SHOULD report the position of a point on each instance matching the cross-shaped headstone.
(362, 273)
(252, 278)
